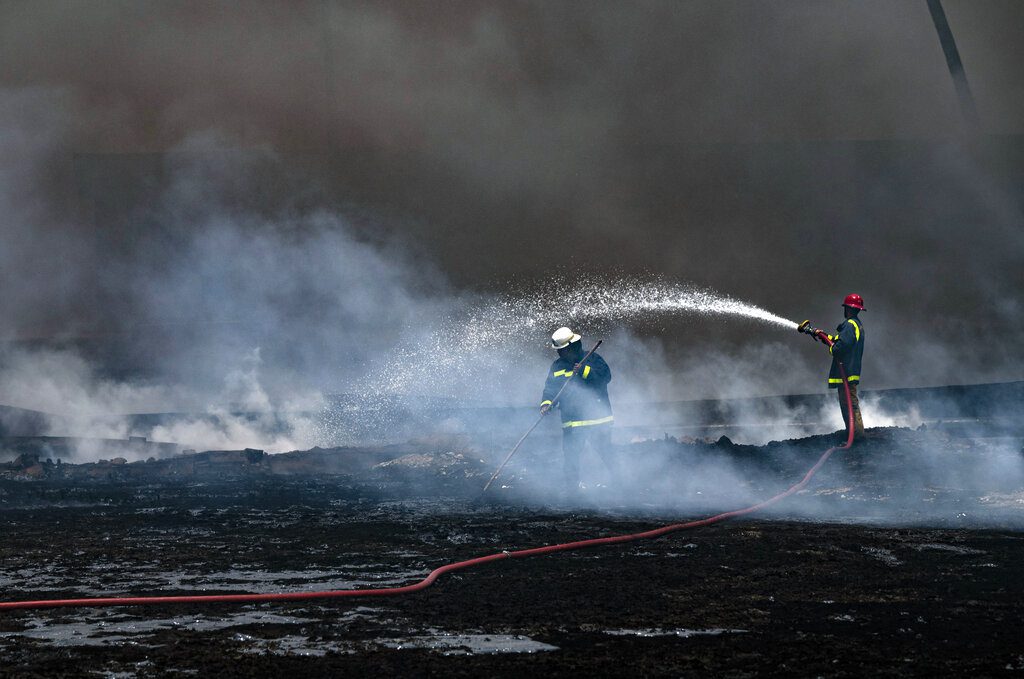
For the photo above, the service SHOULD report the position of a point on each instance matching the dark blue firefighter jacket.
(848, 347)
(585, 401)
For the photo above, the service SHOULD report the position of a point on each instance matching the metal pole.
(956, 66)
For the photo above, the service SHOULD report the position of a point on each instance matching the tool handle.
(511, 453)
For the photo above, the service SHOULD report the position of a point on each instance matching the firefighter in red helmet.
(848, 348)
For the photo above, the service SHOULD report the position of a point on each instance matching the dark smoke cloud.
(442, 76)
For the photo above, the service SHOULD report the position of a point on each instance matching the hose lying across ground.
(447, 568)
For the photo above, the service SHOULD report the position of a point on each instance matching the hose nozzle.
(808, 329)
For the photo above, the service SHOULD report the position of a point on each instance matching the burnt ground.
(933, 586)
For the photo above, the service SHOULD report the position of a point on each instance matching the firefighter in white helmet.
(584, 405)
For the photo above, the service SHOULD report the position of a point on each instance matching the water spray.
(449, 361)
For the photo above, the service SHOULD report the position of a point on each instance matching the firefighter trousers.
(858, 421)
(574, 439)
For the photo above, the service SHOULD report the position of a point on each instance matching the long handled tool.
(529, 431)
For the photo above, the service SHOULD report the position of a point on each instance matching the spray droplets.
(636, 301)
(521, 319)
(482, 353)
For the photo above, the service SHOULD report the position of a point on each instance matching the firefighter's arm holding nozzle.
(815, 333)
(841, 341)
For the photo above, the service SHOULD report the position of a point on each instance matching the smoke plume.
(331, 222)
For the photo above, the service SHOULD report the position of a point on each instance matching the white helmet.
(563, 337)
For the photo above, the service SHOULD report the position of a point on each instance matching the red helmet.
(854, 301)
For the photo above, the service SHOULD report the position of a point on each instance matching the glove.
(545, 408)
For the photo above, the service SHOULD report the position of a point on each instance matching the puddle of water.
(940, 547)
(118, 628)
(292, 645)
(345, 576)
(682, 633)
(883, 555)
(49, 578)
(126, 674)
(470, 644)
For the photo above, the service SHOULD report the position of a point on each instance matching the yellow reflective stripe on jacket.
(563, 373)
(839, 380)
(856, 328)
(545, 403)
(587, 423)
(586, 371)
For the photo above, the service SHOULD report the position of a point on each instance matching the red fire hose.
(447, 568)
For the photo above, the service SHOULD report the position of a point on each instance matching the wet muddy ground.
(782, 595)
